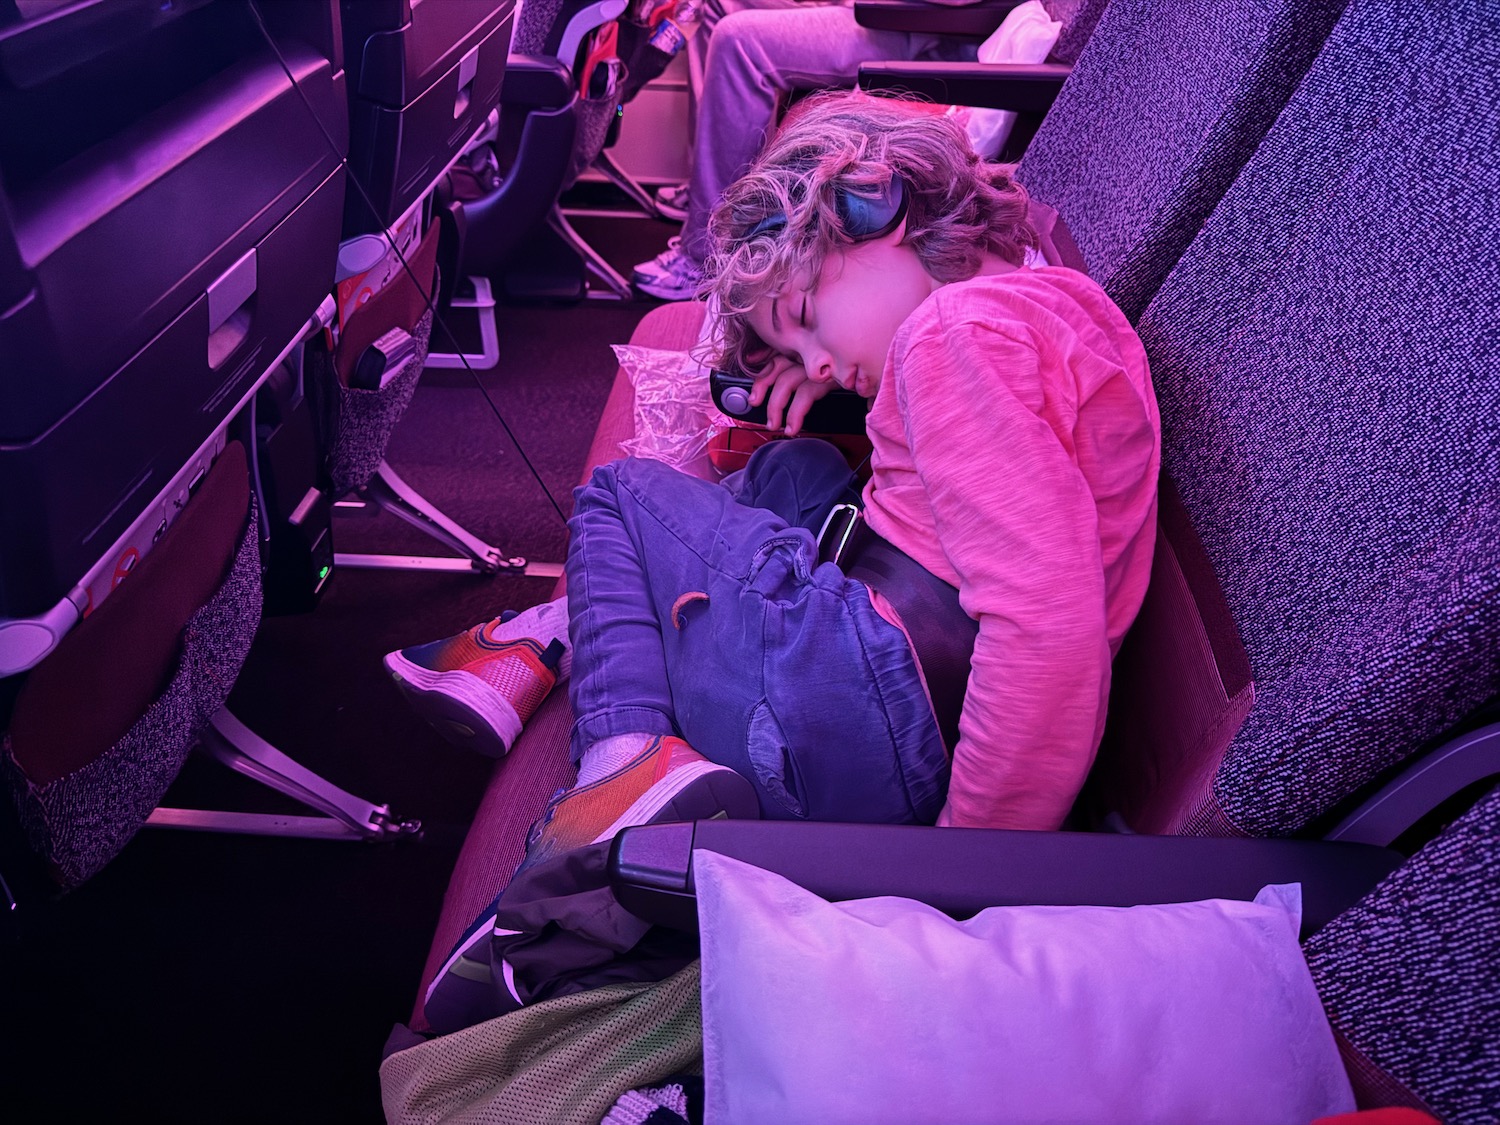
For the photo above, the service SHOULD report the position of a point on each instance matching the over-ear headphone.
(862, 217)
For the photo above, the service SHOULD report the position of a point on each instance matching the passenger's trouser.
(700, 609)
(747, 56)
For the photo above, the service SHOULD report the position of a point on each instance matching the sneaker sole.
(664, 292)
(696, 791)
(458, 705)
(676, 214)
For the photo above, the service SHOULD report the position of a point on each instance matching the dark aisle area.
(212, 978)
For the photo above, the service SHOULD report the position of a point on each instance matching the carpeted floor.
(205, 978)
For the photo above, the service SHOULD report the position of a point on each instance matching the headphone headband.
(862, 218)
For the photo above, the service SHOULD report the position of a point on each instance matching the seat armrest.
(961, 871)
(1021, 87)
(976, 20)
(1421, 785)
(536, 82)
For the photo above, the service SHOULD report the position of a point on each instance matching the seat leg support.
(623, 180)
(387, 490)
(345, 816)
(618, 286)
(483, 304)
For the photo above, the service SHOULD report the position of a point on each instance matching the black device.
(297, 513)
(838, 412)
(383, 360)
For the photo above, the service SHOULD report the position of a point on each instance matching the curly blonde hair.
(959, 209)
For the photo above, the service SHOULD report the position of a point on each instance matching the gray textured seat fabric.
(1410, 977)
(1326, 357)
(1166, 102)
(1079, 18)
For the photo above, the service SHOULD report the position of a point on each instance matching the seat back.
(424, 76)
(169, 225)
(1165, 103)
(103, 725)
(1410, 977)
(124, 346)
(1324, 356)
(580, 36)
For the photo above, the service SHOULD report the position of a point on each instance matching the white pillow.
(886, 1010)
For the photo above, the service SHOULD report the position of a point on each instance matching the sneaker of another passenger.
(670, 276)
(672, 202)
(478, 688)
(667, 781)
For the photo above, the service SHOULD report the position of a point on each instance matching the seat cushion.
(537, 765)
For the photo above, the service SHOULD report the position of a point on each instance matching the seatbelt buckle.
(836, 536)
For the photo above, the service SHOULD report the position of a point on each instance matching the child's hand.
(788, 393)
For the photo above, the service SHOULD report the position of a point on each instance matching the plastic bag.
(675, 416)
(1027, 36)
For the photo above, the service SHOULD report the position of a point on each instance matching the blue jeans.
(700, 609)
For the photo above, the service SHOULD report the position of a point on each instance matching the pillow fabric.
(886, 1010)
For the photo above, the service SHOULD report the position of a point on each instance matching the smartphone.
(838, 412)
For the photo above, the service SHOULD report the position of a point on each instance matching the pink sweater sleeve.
(1018, 524)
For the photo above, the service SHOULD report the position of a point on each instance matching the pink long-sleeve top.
(1016, 451)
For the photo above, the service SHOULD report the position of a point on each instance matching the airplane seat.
(1330, 421)
(1328, 418)
(570, 34)
(1079, 18)
(1330, 428)
(1026, 90)
(1410, 976)
(101, 728)
(1219, 76)
(169, 224)
(575, 64)
(425, 86)
(424, 77)
(1205, 86)
(1120, 194)
(522, 783)
(137, 251)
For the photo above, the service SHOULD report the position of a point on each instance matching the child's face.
(840, 328)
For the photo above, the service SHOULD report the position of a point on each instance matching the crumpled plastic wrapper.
(675, 416)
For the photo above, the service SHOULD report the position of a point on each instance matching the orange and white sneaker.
(667, 781)
(479, 687)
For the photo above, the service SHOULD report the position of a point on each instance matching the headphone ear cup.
(866, 217)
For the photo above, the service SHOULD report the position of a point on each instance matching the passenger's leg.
(692, 613)
(800, 479)
(672, 199)
(697, 48)
(479, 688)
(753, 56)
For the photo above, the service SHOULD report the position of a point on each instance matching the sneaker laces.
(673, 254)
(677, 264)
